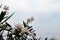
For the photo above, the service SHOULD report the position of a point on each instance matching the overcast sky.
(45, 12)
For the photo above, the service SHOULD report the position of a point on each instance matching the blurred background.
(45, 12)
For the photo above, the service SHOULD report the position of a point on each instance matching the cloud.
(35, 6)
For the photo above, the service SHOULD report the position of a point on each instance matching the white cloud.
(35, 6)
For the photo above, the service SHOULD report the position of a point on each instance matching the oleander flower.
(53, 38)
(30, 19)
(24, 30)
(6, 8)
(18, 26)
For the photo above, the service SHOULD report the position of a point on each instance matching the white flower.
(30, 19)
(19, 26)
(25, 29)
(53, 38)
(6, 8)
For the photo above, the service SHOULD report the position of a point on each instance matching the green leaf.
(7, 19)
(2, 15)
(0, 5)
(25, 25)
(8, 24)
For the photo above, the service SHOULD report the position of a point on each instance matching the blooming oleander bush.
(20, 31)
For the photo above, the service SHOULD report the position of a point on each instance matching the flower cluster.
(29, 20)
(6, 8)
(22, 31)
(19, 32)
